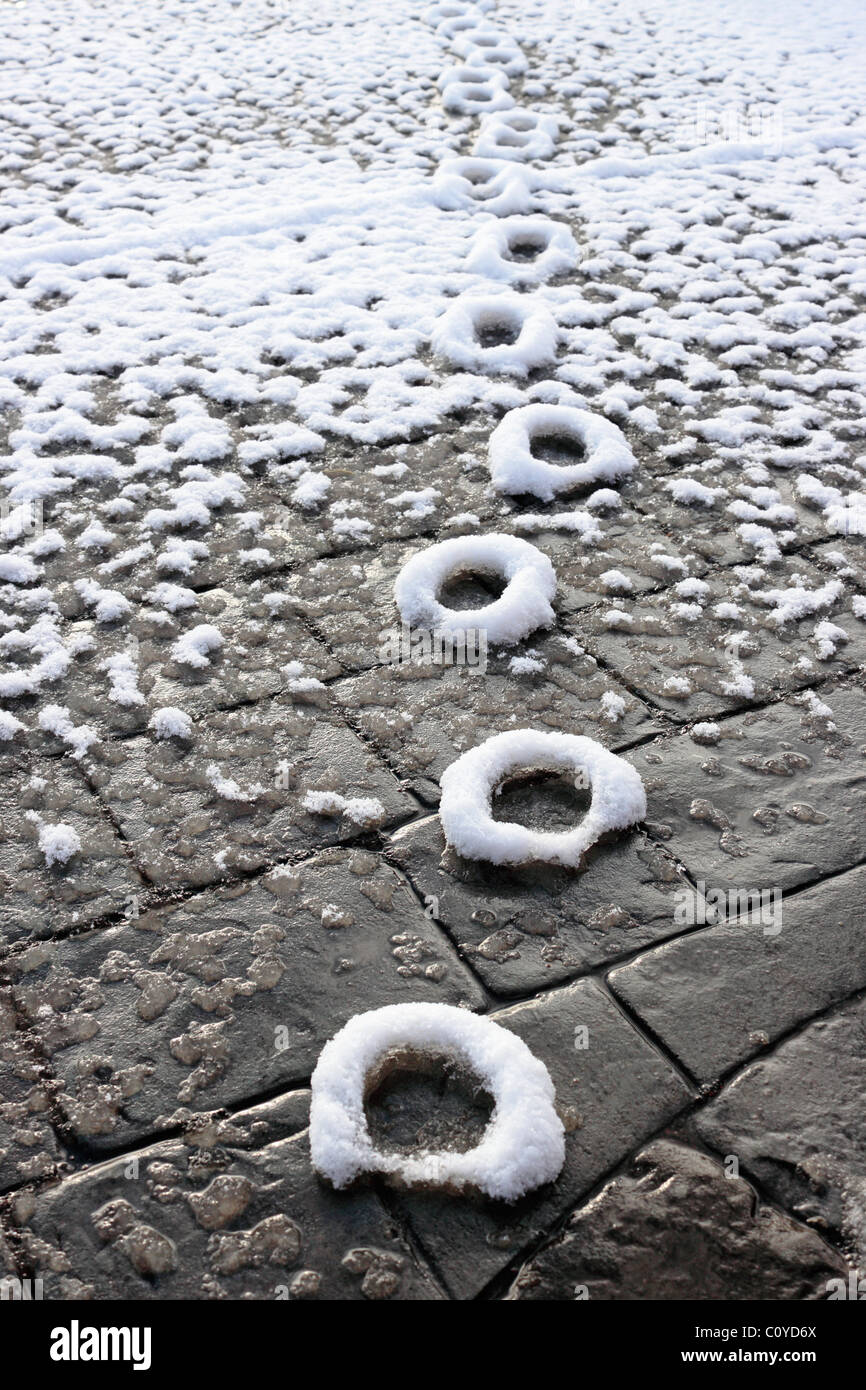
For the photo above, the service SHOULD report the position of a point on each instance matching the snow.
(54, 719)
(194, 647)
(9, 726)
(523, 1145)
(514, 468)
(229, 789)
(458, 334)
(469, 784)
(58, 842)
(366, 812)
(123, 679)
(523, 606)
(491, 252)
(170, 722)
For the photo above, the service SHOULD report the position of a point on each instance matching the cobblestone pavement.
(238, 398)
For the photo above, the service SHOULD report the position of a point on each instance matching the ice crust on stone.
(523, 606)
(470, 783)
(523, 1145)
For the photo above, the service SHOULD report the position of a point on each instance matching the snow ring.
(523, 1145)
(456, 334)
(492, 47)
(469, 90)
(524, 605)
(496, 242)
(518, 134)
(514, 468)
(503, 187)
(468, 786)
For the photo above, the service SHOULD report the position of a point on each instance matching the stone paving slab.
(675, 1226)
(717, 996)
(439, 482)
(233, 1211)
(28, 1147)
(795, 1122)
(231, 800)
(716, 532)
(244, 519)
(422, 716)
(613, 1094)
(265, 650)
(229, 994)
(774, 802)
(633, 556)
(38, 897)
(528, 929)
(678, 651)
(248, 413)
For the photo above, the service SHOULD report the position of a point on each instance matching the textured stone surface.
(38, 897)
(233, 800)
(234, 1211)
(525, 929)
(717, 996)
(421, 716)
(261, 636)
(612, 1094)
(28, 1147)
(230, 994)
(675, 1227)
(682, 659)
(795, 1120)
(777, 801)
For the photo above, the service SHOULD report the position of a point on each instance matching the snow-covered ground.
(319, 319)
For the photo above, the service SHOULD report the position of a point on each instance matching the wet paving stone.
(795, 1122)
(130, 540)
(675, 1226)
(612, 1093)
(231, 798)
(775, 801)
(422, 716)
(28, 1147)
(374, 495)
(527, 929)
(717, 996)
(62, 864)
(350, 601)
(233, 1210)
(221, 648)
(629, 556)
(229, 994)
(700, 652)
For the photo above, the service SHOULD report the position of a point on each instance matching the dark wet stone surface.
(526, 929)
(777, 801)
(232, 1211)
(674, 1226)
(795, 1121)
(719, 995)
(38, 897)
(230, 994)
(234, 799)
(615, 1089)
